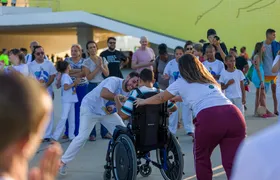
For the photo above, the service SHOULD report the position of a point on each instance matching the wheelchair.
(147, 131)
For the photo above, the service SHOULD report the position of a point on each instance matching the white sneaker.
(62, 170)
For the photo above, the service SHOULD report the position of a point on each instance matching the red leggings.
(219, 125)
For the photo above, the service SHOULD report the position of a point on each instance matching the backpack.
(149, 124)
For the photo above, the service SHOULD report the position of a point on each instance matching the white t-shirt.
(172, 70)
(97, 104)
(42, 71)
(88, 63)
(234, 90)
(258, 157)
(23, 69)
(127, 108)
(6, 178)
(70, 95)
(277, 58)
(198, 96)
(215, 68)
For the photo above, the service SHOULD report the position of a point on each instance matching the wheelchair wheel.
(174, 160)
(145, 170)
(124, 159)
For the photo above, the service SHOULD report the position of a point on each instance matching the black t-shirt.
(241, 62)
(217, 55)
(114, 59)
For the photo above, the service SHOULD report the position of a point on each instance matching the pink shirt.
(143, 56)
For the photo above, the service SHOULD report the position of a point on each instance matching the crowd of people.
(204, 83)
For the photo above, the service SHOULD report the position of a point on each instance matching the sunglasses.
(39, 53)
(112, 42)
(189, 49)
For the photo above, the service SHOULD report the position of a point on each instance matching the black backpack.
(149, 124)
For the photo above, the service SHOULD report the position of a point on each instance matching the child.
(69, 98)
(198, 52)
(232, 81)
(145, 85)
(214, 66)
(171, 73)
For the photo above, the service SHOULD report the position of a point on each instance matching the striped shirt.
(77, 65)
(127, 108)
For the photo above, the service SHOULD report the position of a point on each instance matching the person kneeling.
(145, 85)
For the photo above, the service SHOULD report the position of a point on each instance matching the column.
(84, 34)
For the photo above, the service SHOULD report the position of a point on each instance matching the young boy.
(214, 66)
(24, 107)
(232, 81)
(145, 85)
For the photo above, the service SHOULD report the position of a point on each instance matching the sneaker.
(62, 169)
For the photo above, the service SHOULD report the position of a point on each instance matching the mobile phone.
(217, 38)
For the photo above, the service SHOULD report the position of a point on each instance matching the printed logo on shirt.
(176, 75)
(211, 86)
(111, 59)
(211, 71)
(42, 76)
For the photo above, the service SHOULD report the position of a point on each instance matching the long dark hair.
(258, 50)
(193, 71)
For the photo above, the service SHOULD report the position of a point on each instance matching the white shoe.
(62, 169)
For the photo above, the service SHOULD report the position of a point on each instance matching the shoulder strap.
(140, 94)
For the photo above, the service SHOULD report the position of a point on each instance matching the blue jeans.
(81, 92)
(103, 130)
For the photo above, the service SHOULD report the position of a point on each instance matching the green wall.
(190, 19)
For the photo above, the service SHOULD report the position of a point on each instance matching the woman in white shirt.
(95, 68)
(17, 59)
(217, 121)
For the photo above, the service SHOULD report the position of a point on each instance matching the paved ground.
(91, 159)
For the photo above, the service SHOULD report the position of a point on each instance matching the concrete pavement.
(90, 160)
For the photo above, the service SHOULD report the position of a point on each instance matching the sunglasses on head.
(39, 53)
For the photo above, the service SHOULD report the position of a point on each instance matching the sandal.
(107, 136)
(64, 137)
(92, 138)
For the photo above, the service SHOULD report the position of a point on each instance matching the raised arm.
(157, 99)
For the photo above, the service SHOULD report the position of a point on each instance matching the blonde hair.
(193, 71)
(79, 48)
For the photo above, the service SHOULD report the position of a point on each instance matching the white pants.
(238, 103)
(68, 112)
(186, 117)
(87, 122)
(49, 128)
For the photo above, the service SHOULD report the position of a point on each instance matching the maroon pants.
(219, 125)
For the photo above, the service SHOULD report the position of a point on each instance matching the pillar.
(84, 34)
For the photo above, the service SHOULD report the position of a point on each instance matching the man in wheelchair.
(147, 131)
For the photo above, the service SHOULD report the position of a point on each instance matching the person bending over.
(217, 121)
(146, 83)
(94, 109)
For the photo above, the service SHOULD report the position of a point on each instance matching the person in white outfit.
(258, 156)
(44, 71)
(171, 72)
(93, 110)
(276, 69)
(69, 98)
(232, 81)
